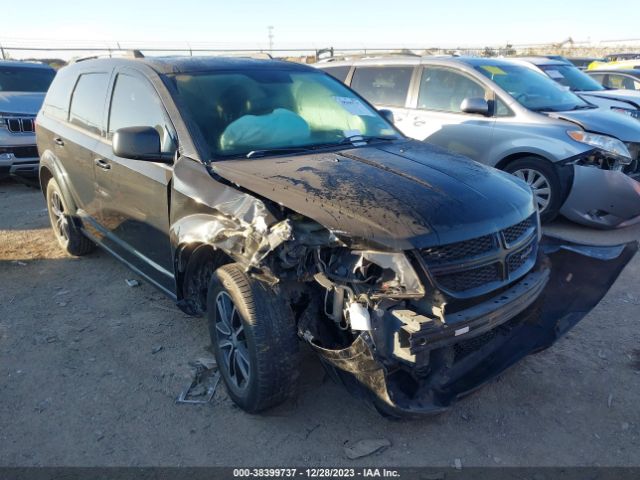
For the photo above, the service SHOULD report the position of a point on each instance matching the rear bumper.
(576, 278)
(602, 198)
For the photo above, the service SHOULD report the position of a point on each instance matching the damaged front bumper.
(478, 345)
(602, 198)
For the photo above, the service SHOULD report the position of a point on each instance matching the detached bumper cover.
(579, 277)
(602, 198)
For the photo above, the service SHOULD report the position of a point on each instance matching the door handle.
(419, 123)
(103, 164)
(59, 141)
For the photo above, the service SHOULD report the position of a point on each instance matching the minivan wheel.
(253, 333)
(541, 176)
(70, 237)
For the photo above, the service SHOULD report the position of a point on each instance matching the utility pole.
(270, 34)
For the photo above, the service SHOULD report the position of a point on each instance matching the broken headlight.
(391, 273)
(608, 144)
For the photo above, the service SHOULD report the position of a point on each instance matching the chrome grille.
(485, 263)
(20, 124)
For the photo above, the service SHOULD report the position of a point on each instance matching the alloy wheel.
(539, 184)
(59, 220)
(232, 341)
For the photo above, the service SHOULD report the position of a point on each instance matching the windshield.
(25, 79)
(240, 112)
(571, 77)
(532, 89)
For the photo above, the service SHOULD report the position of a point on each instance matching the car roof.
(179, 64)
(543, 61)
(413, 60)
(24, 64)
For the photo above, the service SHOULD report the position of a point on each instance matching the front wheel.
(254, 336)
(545, 184)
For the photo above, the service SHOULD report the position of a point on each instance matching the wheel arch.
(194, 263)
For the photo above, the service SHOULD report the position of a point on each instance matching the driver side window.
(444, 90)
(135, 104)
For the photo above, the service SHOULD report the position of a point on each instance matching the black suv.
(272, 198)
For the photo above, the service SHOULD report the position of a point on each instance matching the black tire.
(266, 347)
(547, 171)
(69, 236)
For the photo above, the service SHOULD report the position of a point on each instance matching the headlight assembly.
(603, 142)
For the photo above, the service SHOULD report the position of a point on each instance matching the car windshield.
(571, 77)
(25, 79)
(241, 112)
(532, 89)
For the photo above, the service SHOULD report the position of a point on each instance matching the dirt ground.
(80, 384)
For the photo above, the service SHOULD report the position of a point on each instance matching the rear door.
(385, 87)
(77, 139)
(436, 116)
(135, 193)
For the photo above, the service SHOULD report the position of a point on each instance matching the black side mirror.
(387, 115)
(139, 143)
(475, 105)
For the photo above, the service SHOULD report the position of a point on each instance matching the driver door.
(135, 194)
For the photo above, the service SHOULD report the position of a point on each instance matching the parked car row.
(580, 160)
(278, 202)
(22, 89)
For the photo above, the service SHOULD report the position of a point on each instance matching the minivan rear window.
(87, 102)
(383, 85)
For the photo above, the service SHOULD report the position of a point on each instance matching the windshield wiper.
(364, 138)
(276, 151)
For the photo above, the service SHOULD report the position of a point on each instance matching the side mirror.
(475, 105)
(139, 143)
(387, 115)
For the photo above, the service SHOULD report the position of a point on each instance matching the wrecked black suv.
(275, 200)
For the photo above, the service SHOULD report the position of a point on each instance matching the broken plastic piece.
(359, 317)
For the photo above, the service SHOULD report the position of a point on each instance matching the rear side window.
(135, 104)
(339, 73)
(383, 85)
(87, 102)
(622, 82)
(56, 103)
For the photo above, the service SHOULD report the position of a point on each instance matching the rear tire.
(69, 236)
(543, 179)
(254, 336)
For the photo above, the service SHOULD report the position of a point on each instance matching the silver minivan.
(579, 160)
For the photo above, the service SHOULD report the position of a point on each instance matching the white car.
(570, 76)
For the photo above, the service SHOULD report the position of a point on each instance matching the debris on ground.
(132, 283)
(156, 349)
(203, 385)
(366, 447)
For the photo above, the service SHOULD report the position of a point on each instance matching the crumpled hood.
(600, 121)
(402, 195)
(21, 102)
(631, 96)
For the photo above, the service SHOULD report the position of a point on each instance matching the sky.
(314, 24)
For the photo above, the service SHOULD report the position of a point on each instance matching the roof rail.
(118, 54)
(362, 56)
